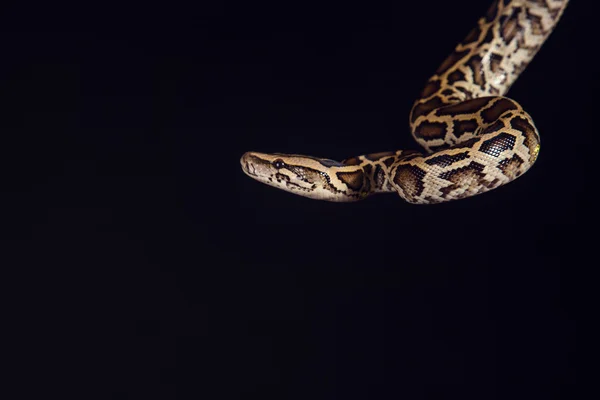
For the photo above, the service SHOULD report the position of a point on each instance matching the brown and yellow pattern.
(475, 139)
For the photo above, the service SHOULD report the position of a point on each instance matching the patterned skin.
(475, 139)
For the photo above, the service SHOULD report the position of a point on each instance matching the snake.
(474, 138)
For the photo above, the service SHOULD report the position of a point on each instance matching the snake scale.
(475, 138)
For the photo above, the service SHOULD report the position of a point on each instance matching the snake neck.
(376, 169)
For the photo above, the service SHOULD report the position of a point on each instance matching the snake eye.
(278, 163)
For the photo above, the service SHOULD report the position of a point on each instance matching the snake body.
(475, 138)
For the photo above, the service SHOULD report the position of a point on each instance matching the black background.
(153, 267)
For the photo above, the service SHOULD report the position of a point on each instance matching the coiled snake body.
(476, 139)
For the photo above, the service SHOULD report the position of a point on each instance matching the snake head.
(317, 178)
